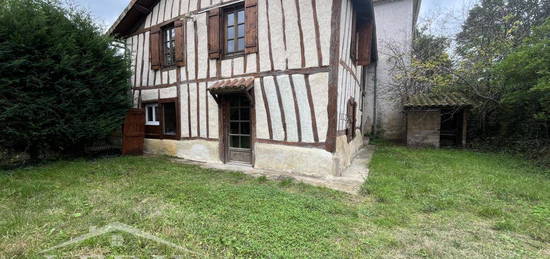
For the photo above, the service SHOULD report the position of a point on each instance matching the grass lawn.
(416, 203)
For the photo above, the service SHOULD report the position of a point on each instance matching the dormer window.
(169, 45)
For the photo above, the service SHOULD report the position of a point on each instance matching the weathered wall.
(296, 99)
(346, 151)
(394, 27)
(291, 87)
(292, 159)
(423, 128)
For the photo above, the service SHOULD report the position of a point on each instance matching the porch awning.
(238, 85)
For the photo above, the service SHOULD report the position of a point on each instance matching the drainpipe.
(375, 99)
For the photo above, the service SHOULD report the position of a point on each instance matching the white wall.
(394, 25)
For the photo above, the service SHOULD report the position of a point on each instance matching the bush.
(63, 83)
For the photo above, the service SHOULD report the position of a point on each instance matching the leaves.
(62, 84)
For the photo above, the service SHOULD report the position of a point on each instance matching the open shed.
(437, 120)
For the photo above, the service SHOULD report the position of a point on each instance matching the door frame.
(223, 121)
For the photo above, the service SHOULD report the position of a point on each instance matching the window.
(234, 26)
(151, 115)
(169, 46)
(162, 119)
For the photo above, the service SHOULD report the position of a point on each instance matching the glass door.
(239, 136)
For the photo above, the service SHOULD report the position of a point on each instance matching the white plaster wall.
(394, 25)
(275, 111)
(170, 92)
(149, 95)
(319, 89)
(287, 100)
(303, 108)
(262, 126)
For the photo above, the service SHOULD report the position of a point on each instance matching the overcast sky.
(107, 11)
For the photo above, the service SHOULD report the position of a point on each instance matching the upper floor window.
(169, 45)
(234, 26)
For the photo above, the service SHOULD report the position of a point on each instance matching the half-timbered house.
(275, 84)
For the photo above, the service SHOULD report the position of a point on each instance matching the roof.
(130, 17)
(437, 101)
(232, 85)
(137, 10)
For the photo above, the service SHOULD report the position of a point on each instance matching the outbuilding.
(437, 120)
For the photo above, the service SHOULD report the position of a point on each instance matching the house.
(276, 84)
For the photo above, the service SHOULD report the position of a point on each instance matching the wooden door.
(134, 132)
(239, 130)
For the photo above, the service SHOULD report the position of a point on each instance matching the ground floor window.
(162, 119)
(151, 115)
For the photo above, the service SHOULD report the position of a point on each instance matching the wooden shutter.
(179, 26)
(155, 43)
(214, 31)
(251, 36)
(365, 33)
(353, 47)
(134, 132)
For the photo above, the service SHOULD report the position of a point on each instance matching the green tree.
(494, 28)
(525, 77)
(62, 81)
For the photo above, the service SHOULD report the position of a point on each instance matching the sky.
(438, 11)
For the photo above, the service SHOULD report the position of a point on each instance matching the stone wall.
(423, 128)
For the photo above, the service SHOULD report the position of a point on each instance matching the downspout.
(375, 90)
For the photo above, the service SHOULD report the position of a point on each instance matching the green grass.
(418, 203)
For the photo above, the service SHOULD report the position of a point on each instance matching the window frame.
(233, 9)
(164, 61)
(155, 121)
(157, 131)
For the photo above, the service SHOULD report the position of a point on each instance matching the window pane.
(234, 141)
(241, 16)
(230, 32)
(150, 113)
(241, 44)
(234, 128)
(241, 30)
(245, 114)
(230, 46)
(231, 18)
(245, 128)
(169, 118)
(234, 114)
(245, 142)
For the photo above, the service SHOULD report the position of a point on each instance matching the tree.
(62, 82)
(493, 29)
(525, 77)
(427, 70)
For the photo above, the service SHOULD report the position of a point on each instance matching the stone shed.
(436, 120)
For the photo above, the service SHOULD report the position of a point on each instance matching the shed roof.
(437, 101)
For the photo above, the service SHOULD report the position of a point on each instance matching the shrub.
(63, 83)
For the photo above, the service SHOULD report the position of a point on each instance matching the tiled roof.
(232, 85)
(437, 101)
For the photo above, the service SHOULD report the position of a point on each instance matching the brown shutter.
(251, 26)
(180, 43)
(154, 39)
(365, 33)
(214, 33)
(353, 48)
